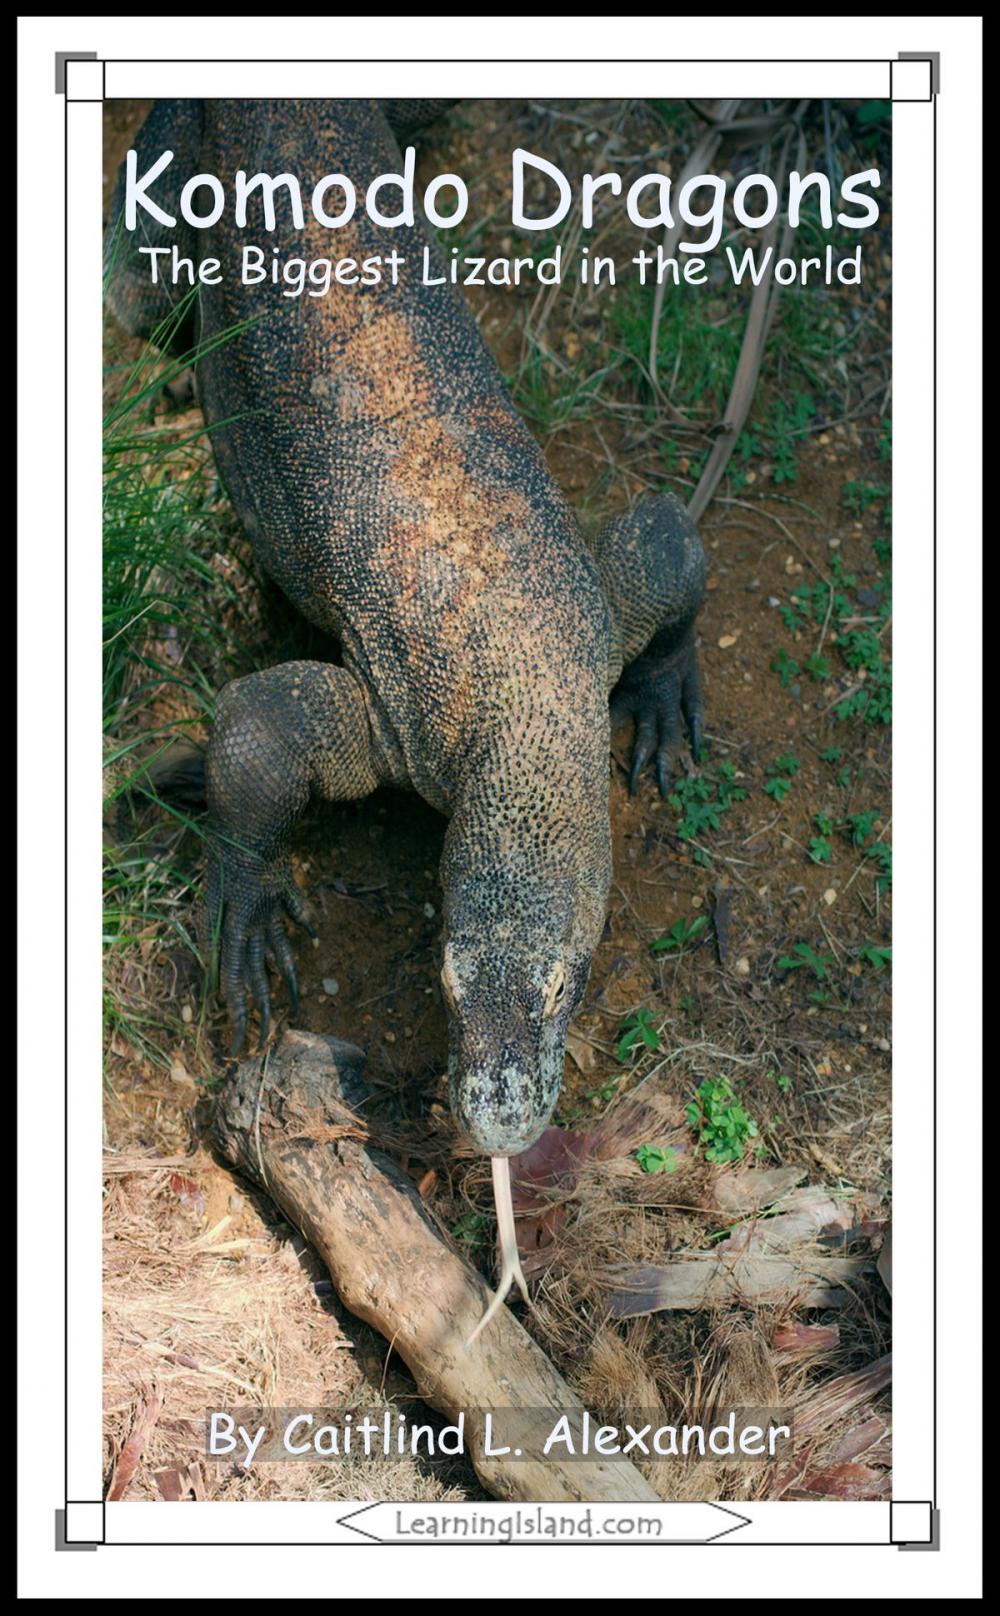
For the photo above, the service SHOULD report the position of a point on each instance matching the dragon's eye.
(555, 989)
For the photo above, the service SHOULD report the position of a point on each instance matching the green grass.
(173, 630)
(853, 633)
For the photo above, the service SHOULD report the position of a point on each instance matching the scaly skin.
(374, 456)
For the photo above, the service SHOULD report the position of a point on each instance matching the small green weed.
(656, 1159)
(637, 1030)
(680, 936)
(803, 957)
(720, 1121)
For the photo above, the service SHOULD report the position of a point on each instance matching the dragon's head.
(516, 961)
(508, 1016)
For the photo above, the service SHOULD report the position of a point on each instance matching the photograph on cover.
(497, 559)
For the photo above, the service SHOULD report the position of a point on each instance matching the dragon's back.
(375, 458)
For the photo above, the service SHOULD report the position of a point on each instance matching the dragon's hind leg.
(279, 736)
(652, 567)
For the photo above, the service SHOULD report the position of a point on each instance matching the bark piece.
(291, 1124)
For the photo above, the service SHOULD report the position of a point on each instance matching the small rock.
(429, 911)
(187, 1014)
(235, 1202)
(772, 600)
(180, 1074)
(331, 985)
(742, 966)
(390, 1037)
(830, 895)
(726, 641)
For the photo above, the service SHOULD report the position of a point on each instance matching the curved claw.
(258, 982)
(643, 745)
(284, 960)
(253, 937)
(656, 733)
(657, 692)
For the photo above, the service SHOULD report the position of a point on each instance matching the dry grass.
(210, 1312)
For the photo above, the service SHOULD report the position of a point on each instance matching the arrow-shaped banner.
(544, 1523)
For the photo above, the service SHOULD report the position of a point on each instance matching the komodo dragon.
(376, 461)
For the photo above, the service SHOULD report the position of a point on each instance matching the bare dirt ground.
(213, 1301)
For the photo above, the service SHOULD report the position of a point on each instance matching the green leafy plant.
(720, 1120)
(701, 800)
(470, 1229)
(681, 934)
(803, 957)
(875, 955)
(881, 853)
(635, 1031)
(861, 826)
(656, 1158)
(785, 667)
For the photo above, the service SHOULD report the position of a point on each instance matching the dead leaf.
(805, 1213)
(581, 1052)
(173, 1485)
(127, 1462)
(750, 1191)
(187, 1191)
(702, 1280)
(851, 1481)
(803, 1338)
(835, 1398)
(861, 1439)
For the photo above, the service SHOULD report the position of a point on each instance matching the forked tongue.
(510, 1262)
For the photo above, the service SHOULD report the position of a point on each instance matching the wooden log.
(291, 1124)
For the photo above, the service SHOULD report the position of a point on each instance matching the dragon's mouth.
(510, 1262)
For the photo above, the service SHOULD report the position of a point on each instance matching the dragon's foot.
(248, 905)
(655, 692)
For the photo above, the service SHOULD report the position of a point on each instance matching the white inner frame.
(913, 784)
